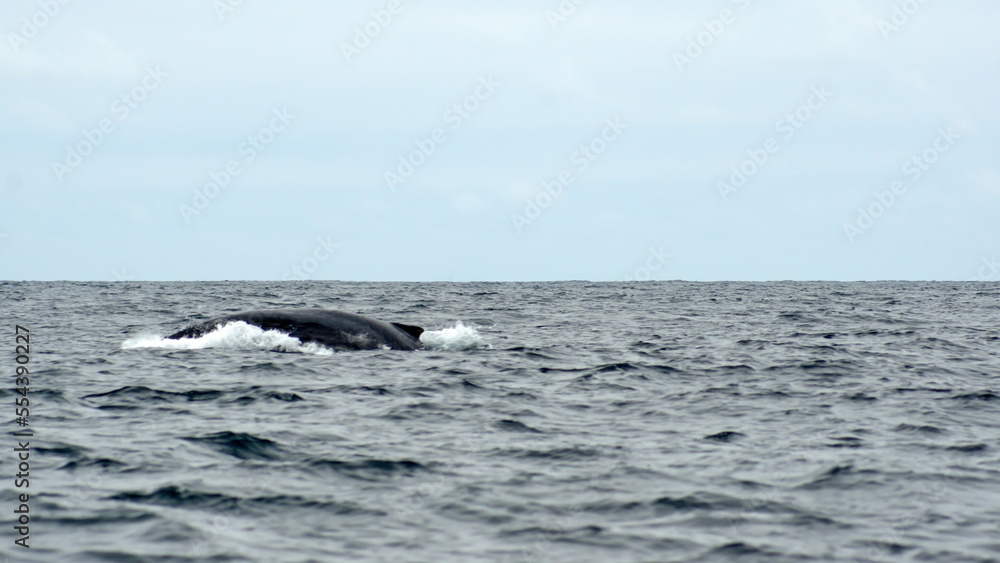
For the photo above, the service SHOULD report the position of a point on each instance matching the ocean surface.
(567, 421)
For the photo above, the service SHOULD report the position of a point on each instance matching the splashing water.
(242, 336)
(236, 335)
(458, 337)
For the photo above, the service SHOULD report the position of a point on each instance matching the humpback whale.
(334, 329)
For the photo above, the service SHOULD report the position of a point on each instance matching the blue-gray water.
(594, 422)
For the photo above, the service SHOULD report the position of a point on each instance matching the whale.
(338, 330)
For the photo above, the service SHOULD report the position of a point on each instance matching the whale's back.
(339, 330)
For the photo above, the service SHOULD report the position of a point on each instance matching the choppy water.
(575, 422)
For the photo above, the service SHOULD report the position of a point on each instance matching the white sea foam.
(458, 337)
(236, 335)
(242, 336)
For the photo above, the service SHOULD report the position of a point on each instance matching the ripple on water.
(610, 422)
(241, 445)
(368, 469)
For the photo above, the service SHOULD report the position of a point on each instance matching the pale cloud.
(558, 84)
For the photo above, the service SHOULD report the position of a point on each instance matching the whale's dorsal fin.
(414, 331)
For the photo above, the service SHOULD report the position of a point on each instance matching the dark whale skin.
(334, 329)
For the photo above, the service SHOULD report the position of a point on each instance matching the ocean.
(569, 421)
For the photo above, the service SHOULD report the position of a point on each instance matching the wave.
(181, 496)
(241, 445)
(140, 394)
(242, 336)
(368, 469)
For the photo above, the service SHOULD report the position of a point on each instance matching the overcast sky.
(515, 140)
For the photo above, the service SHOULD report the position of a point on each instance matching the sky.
(397, 140)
